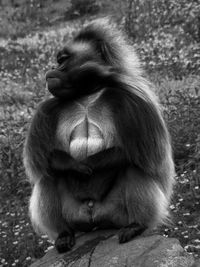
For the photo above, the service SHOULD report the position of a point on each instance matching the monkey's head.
(85, 65)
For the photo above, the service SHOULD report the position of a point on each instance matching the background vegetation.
(166, 34)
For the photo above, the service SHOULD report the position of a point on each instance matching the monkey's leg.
(135, 203)
(110, 158)
(46, 214)
(145, 202)
(61, 161)
(130, 231)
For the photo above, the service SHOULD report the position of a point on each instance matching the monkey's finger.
(85, 169)
(72, 241)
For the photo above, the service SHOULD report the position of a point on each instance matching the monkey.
(98, 152)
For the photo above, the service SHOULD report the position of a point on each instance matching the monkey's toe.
(129, 232)
(125, 235)
(64, 242)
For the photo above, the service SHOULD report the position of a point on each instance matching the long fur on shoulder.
(136, 108)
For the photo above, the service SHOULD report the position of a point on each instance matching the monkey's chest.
(86, 128)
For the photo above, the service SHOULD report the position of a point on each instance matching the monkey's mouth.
(57, 88)
(57, 83)
(53, 79)
(53, 83)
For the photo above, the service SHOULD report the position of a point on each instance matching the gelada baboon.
(98, 152)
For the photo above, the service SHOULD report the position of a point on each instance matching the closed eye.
(61, 58)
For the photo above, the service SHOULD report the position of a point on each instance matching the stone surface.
(101, 249)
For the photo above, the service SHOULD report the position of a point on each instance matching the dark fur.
(129, 183)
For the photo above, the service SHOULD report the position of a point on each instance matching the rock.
(101, 249)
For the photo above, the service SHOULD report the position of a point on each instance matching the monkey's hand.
(60, 161)
(107, 159)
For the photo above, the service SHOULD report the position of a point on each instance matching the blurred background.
(166, 35)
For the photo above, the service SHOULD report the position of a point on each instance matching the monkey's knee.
(45, 209)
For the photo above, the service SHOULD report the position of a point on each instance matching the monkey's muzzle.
(56, 83)
(53, 83)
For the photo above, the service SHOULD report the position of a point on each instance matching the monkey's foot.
(64, 242)
(129, 232)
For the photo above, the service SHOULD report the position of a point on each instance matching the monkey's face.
(80, 71)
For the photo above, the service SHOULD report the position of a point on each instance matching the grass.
(23, 62)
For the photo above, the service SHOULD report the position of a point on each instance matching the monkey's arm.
(141, 129)
(40, 140)
(113, 157)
